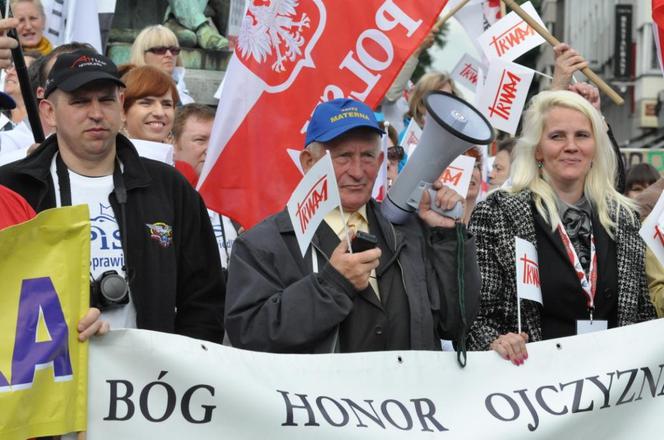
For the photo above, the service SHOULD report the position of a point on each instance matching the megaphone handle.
(455, 213)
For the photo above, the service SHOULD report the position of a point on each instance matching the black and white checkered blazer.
(503, 216)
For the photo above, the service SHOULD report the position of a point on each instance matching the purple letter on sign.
(39, 294)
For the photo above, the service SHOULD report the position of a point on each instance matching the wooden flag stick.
(503, 9)
(441, 21)
(592, 76)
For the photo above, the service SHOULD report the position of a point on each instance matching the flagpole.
(503, 9)
(553, 41)
(441, 21)
(518, 312)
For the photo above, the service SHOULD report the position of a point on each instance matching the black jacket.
(276, 303)
(175, 289)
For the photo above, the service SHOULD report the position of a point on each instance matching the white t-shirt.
(105, 242)
(228, 231)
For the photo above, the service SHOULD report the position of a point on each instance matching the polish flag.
(658, 29)
(292, 55)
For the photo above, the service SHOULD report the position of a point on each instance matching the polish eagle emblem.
(272, 28)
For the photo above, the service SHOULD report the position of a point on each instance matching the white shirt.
(228, 231)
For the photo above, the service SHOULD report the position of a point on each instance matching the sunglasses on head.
(161, 50)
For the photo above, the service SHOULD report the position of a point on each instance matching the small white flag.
(504, 94)
(527, 271)
(652, 230)
(511, 36)
(315, 196)
(380, 184)
(411, 137)
(467, 72)
(457, 176)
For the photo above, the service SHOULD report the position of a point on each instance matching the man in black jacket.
(392, 297)
(154, 262)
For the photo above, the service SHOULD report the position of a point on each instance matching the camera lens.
(113, 287)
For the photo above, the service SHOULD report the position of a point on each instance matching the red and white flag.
(504, 94)
(476, 17)
(380, 185)
(315, 196)
(652, 230)
(527, 271)
(658, 29)
(511, 37)
(467, 72)
(291, 55)
(457, 176)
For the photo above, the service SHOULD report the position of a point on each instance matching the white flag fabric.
(154, 150)
(504, 94)
(467, 72)
(511, 37)
(457, 176)
(652, 230)
(411, 137)
(83, 23)
(315, 196)
(380, 185)
(527, 271)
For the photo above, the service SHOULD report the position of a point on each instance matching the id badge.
(586, 326)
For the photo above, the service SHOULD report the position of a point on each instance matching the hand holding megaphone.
(440, 206)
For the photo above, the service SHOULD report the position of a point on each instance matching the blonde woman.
(427, 83)
(562, 200)
(31, 24)
(158, 46)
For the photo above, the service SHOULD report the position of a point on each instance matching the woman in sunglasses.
(158, 46)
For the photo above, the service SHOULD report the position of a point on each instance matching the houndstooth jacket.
(503, 216)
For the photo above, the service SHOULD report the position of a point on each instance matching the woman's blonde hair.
(152, 36)
(599, 182)
(427, 83)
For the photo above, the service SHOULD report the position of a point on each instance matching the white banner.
(315, 196)
(511, 37)
(457, 176)
(527, 271)
(504, 94)
(467, 72)
(595, 386)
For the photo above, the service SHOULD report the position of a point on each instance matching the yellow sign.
(44, 291)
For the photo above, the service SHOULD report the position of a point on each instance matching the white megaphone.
(453, 126)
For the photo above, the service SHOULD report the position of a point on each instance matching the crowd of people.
(560, 185)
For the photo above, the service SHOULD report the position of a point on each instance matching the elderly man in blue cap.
(391, 297)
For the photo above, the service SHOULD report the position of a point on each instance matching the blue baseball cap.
(333, 118)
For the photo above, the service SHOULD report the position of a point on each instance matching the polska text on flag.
(291, 55)
(315, 196)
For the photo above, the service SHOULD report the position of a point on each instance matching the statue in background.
(188, 20)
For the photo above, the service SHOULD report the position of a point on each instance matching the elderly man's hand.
(356, 267)
(446, 198)
(7, 43)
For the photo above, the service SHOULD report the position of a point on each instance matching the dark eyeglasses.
(395, 153)
(161, 50)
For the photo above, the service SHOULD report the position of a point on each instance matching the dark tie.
(579, 228)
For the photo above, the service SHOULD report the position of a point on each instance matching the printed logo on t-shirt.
(105, 241)
(161, 232)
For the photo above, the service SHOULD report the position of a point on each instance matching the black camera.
(109, 290)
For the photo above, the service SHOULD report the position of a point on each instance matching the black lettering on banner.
(186, 402)
(171, 399)
(652, 385)
(374, 417)
(429, 415)
(290, 406)
(630, 381)
(531, 426)
(578, 390)
(113, 406)
(488, 402)
(545, 406)
(606, 392)
(406, 415)
(344, 414)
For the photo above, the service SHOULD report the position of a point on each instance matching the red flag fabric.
(13, 208)
(658, 29)
(291, 55)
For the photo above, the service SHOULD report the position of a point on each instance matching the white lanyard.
(588, 284)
